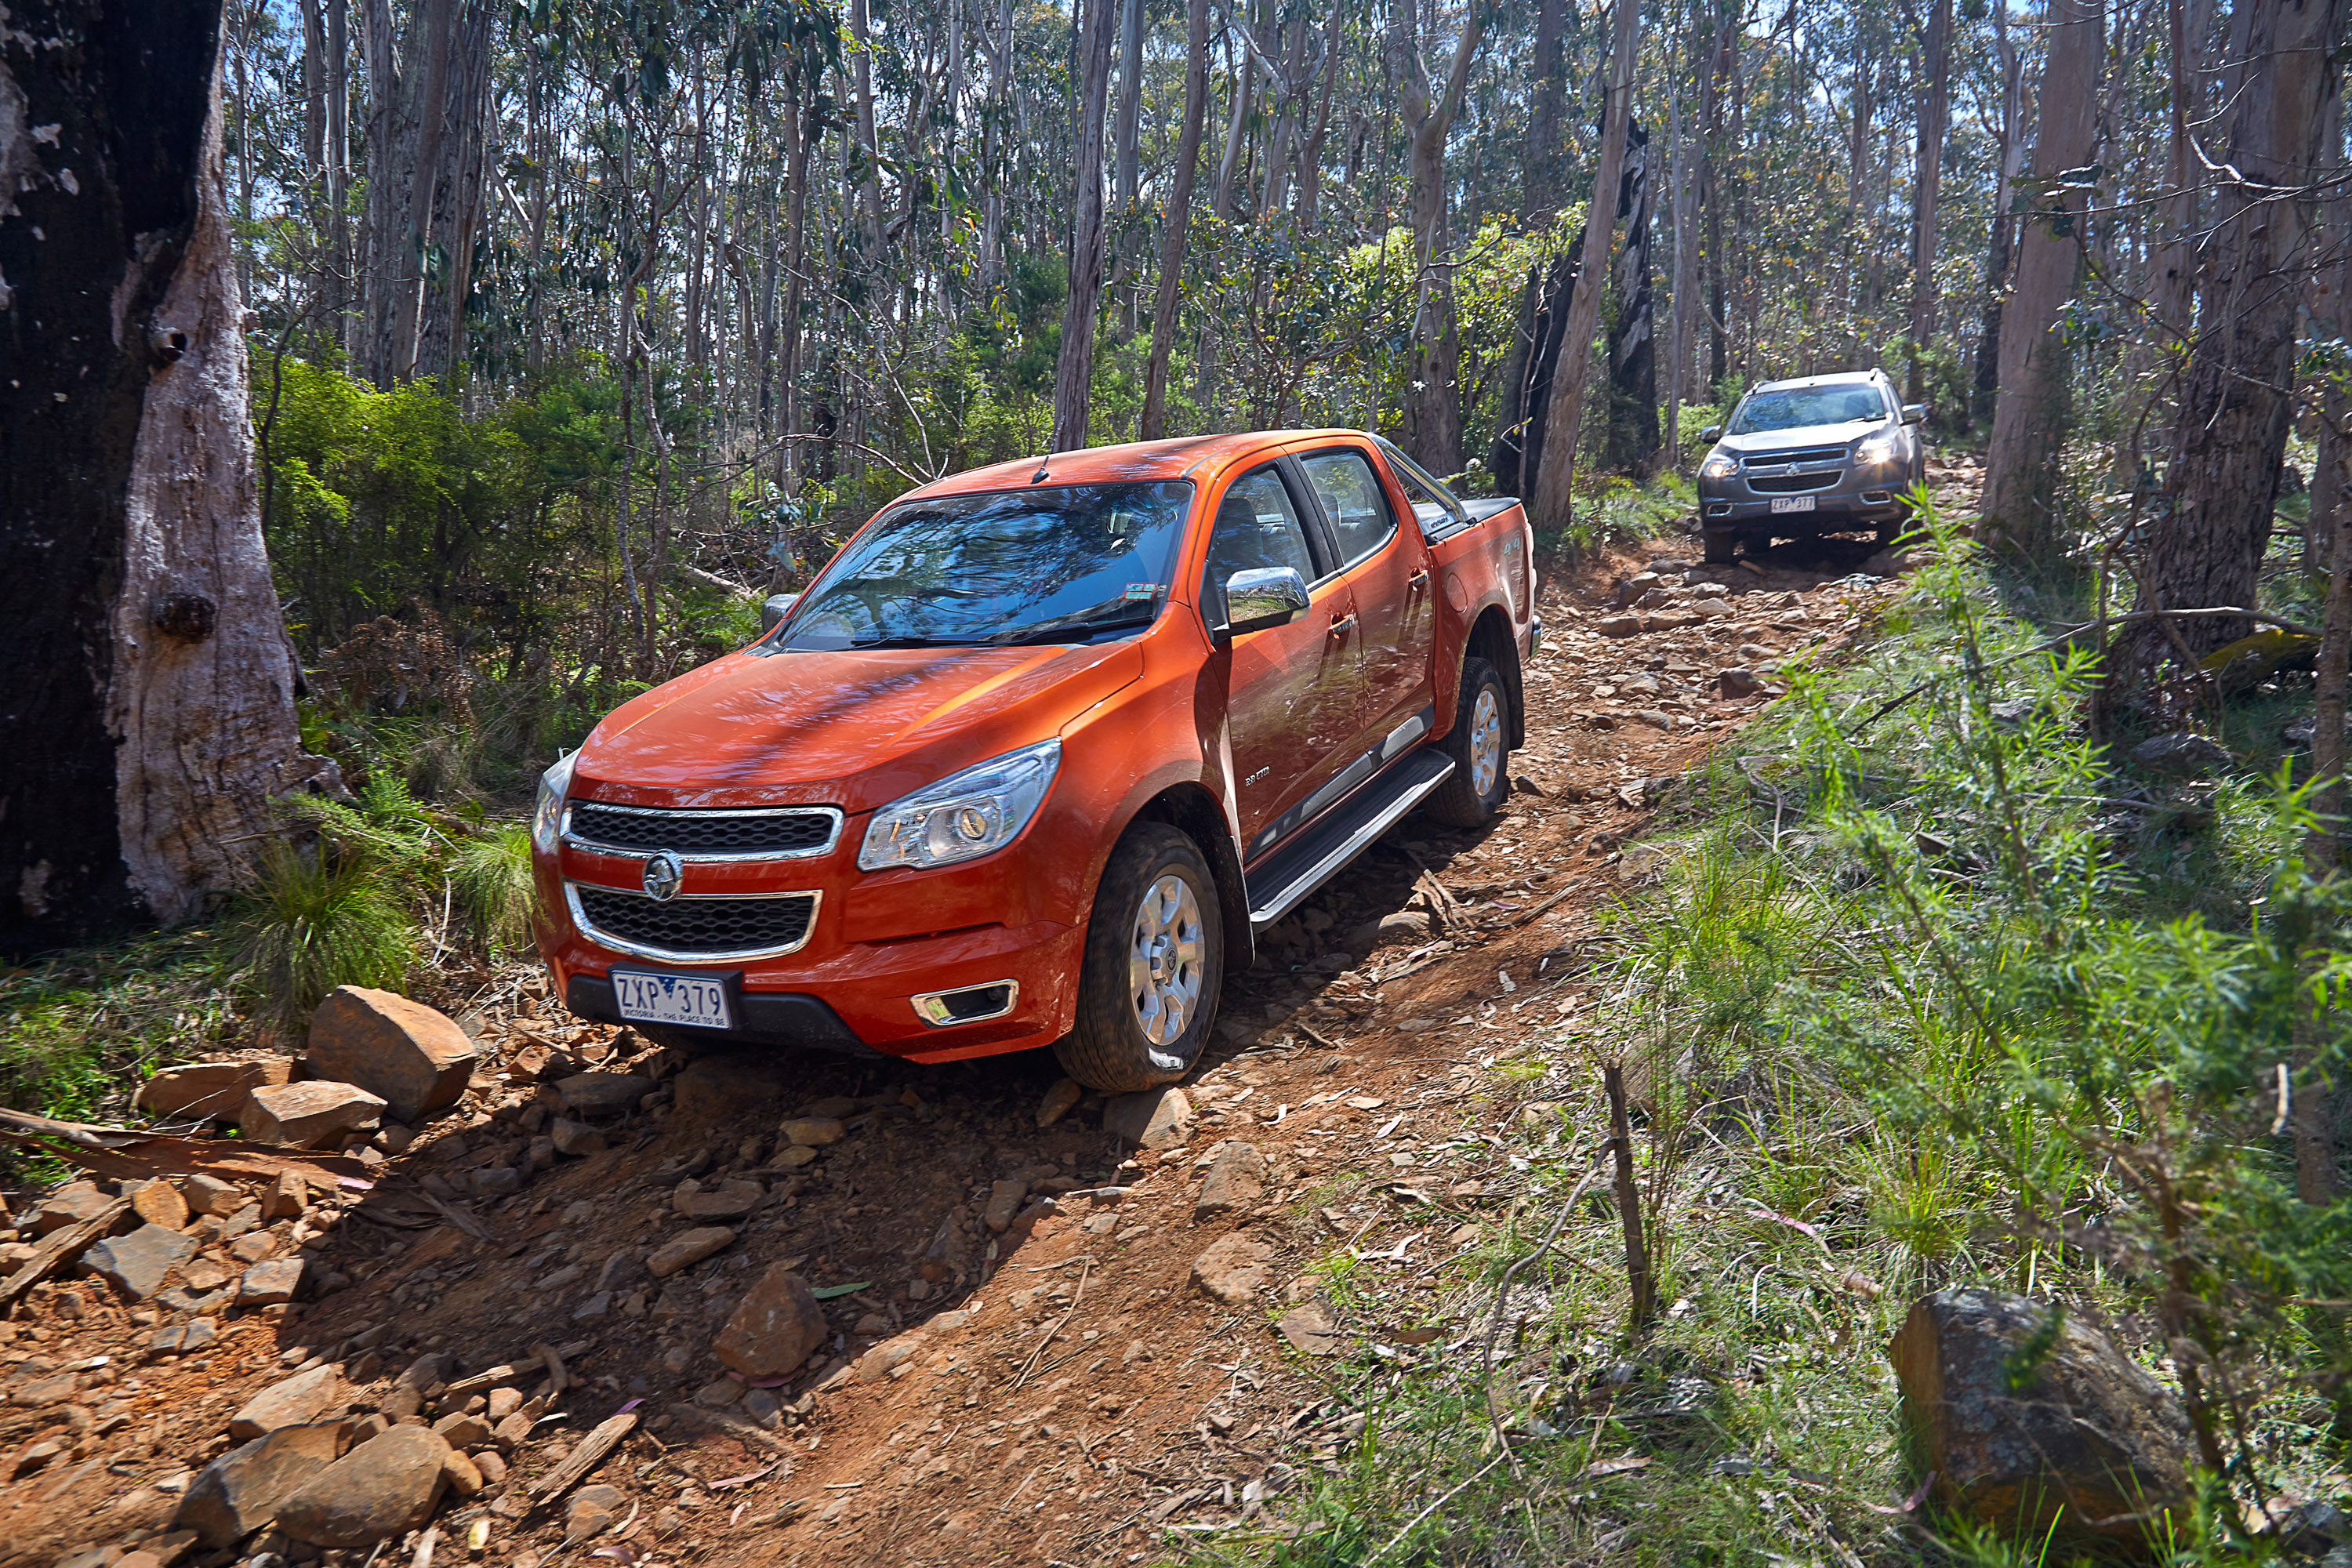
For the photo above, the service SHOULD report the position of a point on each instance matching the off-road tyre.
(1472, 793)
(1109, 1050)
(1716, 545)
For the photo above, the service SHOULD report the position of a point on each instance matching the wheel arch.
(1490, 639)
(1192, 811)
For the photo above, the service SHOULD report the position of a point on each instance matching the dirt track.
(1061, 1392)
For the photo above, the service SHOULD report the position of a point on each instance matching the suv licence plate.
(694, 1000)
(1791, 503)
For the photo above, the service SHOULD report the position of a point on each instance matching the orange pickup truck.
(1038, 754)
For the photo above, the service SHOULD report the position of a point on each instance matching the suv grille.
(765, 830)
(698, 927)
(1801, 455)
(1793, 484)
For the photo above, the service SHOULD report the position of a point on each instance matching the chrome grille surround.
(695, 928)
(748, 833)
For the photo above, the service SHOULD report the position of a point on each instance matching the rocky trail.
(565, 1296)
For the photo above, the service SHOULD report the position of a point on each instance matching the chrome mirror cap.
(1263, 596)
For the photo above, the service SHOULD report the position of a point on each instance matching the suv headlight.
(1883, 448)
(546, 811)
(964, 816)
(1719, 465)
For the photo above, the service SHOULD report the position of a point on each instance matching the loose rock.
(590, 1510)
(296, 1402)
(1058, 1102)
(812, 1132)
(70, 1205)
(305, 1115)
(684, 1250)
(267, 1284)
(719, 1088)
(214, 1089)
(729, 1200)
(160, 1202)
(1236, 1180)
(136, 1264)
(241, 1492)
(380, 1490)
(2091, 1440)
(1234, 1270)
(1003, 1203)
(1153, 1119)
(2181, 756)
(603, 1093)
(576, 1139)
(413, 1057)
(773, 1328)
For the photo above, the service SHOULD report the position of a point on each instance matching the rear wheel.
(1479, 745)
(1155, 963)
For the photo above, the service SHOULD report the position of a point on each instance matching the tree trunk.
(1934, 105)
(1686, 284)
(1179, 214)
(2011, 163)
(2207, 538)
(1633, 338)
(2029, 414)
(1074, 375)
(1433, 399)
(1556, 472)
(439, 21)
(1129, 161)
(460, 188)
(869, 181)
(1244, 87)
(152, 677)
(1310, 157)
(1540, 163)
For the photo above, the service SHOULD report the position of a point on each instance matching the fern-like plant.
(491, 874)
(312, 920)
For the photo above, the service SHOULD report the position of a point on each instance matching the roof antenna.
(1039, 477)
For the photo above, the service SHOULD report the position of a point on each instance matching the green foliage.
(491, 874)
(316, 919)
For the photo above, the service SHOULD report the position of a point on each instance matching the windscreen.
(1060, 564)
(1794, 407)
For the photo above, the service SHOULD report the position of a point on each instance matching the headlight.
(546, 813)
(1881, 448)
(964, 816)
(1719, 465)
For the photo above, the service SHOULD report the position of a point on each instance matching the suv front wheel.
(1155, 962)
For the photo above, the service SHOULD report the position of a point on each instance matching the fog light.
(968, 1003)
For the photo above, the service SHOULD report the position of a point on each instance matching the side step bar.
(1284, 879)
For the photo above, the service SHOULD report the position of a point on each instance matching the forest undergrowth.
(1937, 989)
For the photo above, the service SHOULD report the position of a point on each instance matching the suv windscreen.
(1794, 407)
(1061, 564)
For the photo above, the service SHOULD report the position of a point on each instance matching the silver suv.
(1823, 454)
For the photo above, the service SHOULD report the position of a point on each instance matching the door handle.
(1343, 624)
(1418, 578)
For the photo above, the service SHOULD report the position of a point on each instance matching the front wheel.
(1155, 962)
(1716, 545)
(1474, 791)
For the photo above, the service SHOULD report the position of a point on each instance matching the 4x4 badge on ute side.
(665, 874)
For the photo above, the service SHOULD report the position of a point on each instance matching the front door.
(1290, 707)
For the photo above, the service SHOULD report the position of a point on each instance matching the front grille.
(1801, 455)
(1793, 484)
(698, 927)
(765, 830)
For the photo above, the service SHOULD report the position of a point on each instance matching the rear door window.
(1353, 502)
(1433, 506)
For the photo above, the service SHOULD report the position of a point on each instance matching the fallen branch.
(1502, 1297)
(733, 1425)
(56, 1247)
(591, 1453)
(1047, 1337)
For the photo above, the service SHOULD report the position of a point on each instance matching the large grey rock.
(239, 1492)
(297, 1401)
(270, 1282)
(385, 1486)
(773, 1328)
(411, 1057)
(1153, 1119)
(212, 1090)
(70, 1205)
(136, 1264)
(305, 1115)
(2087, 1438)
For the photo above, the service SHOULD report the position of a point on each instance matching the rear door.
(1290, 708)
(1385, 569)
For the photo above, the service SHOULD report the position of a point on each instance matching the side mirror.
(778, 607)
(1915, 412)
(1263, 596)
(1712, 433)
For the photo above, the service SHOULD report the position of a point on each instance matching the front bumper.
(876, 944)
(1858, 493)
